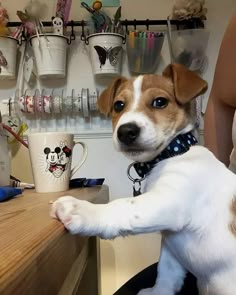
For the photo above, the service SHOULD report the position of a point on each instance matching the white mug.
(51, 156)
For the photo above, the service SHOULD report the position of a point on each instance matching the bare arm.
(222, 101)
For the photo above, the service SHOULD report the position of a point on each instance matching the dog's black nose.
(127, 133)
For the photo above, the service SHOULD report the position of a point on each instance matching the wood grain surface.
(36, 252)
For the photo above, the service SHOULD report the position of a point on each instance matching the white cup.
(51, 156)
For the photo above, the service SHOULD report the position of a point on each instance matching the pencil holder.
(105, 51)
(50, 52)
(143, 51)
(188, 47)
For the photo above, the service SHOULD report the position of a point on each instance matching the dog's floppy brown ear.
(187, 84)
(106, 98)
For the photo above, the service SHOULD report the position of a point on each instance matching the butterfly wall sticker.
(105, 54)
(3, 61)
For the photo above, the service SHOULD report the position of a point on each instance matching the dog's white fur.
(188, 198)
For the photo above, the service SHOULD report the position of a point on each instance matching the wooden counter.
(38, 256)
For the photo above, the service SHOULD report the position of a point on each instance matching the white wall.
(121, 258)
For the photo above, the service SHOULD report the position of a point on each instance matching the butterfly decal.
(110, 54)
(3, 61)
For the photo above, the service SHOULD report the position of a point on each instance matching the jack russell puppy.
(190, 196)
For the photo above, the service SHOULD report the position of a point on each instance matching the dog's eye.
(119, 106)
(160, 102)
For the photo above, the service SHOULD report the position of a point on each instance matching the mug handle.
(84, 157)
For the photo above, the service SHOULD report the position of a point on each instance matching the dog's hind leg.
(170, 276)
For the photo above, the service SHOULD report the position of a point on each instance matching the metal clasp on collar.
(137, 182)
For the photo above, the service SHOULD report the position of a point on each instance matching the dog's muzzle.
(128, 133)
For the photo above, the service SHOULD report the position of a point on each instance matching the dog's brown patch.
(174, 116)
(232, 225)
(187, 84)
(177, 84)
(126, 95)
(105, 100)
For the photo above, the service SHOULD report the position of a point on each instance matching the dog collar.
(179, 145)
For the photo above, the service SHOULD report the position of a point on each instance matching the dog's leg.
(170, 277)
(149, 212)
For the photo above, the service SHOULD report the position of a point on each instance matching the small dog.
(189, 196)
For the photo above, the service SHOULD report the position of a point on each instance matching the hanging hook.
(126, 25)
(147, 24)
(124, 39)
(135, 24)
(9, 107)
(23, 36)
(83, 37)
(72, 34)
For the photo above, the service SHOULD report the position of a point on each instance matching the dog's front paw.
(78, 217)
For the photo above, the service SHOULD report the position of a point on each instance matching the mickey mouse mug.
(51, 157)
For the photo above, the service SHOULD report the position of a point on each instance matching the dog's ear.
(187, 84)
(106, 98)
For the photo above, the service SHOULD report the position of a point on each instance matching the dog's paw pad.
(67, 220)
(76, 215)
(73, 224)
(64, 207)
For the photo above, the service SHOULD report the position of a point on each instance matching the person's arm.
(222, 101)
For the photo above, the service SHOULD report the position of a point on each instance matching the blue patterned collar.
(179, 145)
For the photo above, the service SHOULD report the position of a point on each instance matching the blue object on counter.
(8, 192)
(85, 182)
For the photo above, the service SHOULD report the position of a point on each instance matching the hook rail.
(192, 22)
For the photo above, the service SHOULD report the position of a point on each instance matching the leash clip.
(137, 189)
(137, 182)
